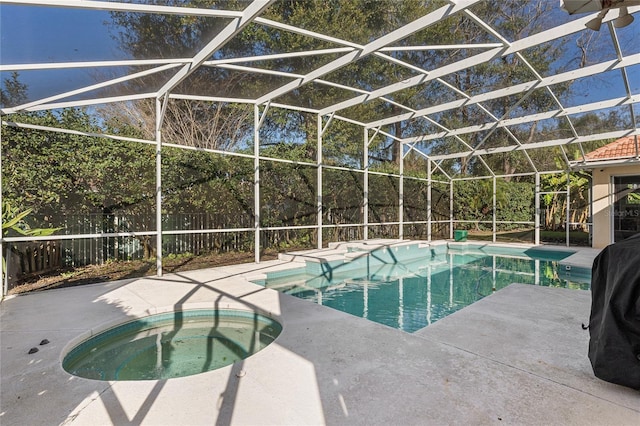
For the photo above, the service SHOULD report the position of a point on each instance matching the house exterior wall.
(603, 202)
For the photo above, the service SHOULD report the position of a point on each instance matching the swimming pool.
(172, 344)
(411, 286)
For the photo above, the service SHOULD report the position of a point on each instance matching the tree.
(14, 92)
(555, 201)
(224, 126)
(473, 199)
(212, 125)
(513, 20)
(60, 179)
(357, 21)
(60, 174)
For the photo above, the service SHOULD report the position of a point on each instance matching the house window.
(626, 207)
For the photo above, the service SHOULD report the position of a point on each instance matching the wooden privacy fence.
(32, 258)
(40, 256)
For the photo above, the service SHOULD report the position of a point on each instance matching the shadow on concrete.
(352, 363)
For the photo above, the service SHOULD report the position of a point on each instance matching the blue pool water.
(409, 287)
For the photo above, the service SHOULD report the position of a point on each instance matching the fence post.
(160, 109)
(568, 205)
(537, 211)
(256, 178)
(451, 209)
(365, 202)
(319, 180)
(429, 184)
(493, 225)
(401, 193)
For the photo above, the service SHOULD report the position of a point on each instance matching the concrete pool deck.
(518, 356)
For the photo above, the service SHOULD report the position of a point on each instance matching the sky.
(35, 34)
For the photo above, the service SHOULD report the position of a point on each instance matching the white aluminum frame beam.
(89, 102)
(91, 64)
(517, 46)
(307, 33)
(232, 29)
(128, 7)
(515, 89)
(557, 113)
(419, 79)
(30, 105)
(399, 34)
(177, 61)
(161, 106)
(545, 144)
(441, 47)
(499, 36)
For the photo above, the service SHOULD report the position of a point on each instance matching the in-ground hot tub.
(173, 344)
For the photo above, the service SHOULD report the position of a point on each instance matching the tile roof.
(621, 148)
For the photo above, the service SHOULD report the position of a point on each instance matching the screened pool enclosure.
(156, 128)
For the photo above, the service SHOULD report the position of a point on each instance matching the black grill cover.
(614, 326)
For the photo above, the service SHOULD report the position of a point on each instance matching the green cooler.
(460, 235)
